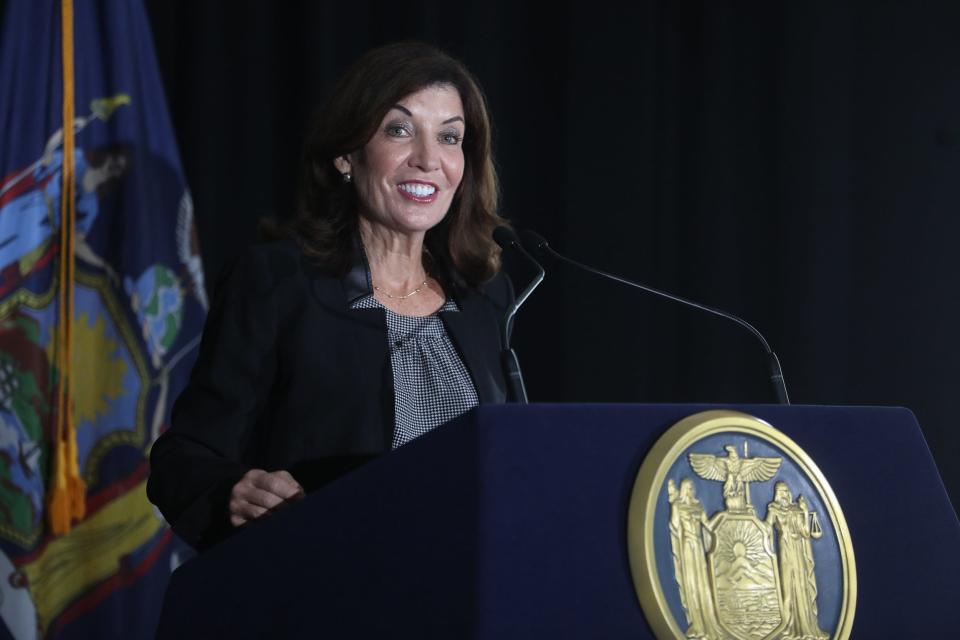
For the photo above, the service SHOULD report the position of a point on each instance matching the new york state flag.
(101, 306)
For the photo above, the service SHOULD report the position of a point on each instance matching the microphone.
(542, 247)
(506, 238)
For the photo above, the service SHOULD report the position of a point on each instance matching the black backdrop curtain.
(797, 163)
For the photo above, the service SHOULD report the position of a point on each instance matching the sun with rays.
(742, 540)
(98, 368)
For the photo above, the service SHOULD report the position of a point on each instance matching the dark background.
(796, 163)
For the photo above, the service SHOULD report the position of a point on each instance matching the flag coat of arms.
(101, 306)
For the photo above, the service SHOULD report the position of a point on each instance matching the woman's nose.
(424, 156)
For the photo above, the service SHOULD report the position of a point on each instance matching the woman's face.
(782, 494)
(407, 174)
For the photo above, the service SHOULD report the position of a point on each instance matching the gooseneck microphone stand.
(506, 238)
(541, 246)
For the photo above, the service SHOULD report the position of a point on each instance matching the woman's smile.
(418, 190)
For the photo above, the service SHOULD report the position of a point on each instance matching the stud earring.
(347, 178)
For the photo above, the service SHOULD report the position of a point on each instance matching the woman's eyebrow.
(400, 107)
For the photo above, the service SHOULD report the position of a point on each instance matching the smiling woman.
(405, 178)
(373, 321)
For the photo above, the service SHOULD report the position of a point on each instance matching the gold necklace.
(422, 286)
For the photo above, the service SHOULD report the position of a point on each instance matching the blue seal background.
(826, 550)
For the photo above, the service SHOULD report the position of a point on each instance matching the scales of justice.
(734, 582)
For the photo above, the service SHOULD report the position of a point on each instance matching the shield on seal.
(745, 575)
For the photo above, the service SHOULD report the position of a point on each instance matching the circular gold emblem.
(735, 534)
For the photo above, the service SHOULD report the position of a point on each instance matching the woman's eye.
(397, 130)
(450, 138)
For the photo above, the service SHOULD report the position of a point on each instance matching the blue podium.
(511, 522)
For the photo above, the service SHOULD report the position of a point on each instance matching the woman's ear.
(343, 165)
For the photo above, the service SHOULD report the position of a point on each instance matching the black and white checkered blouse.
(430, 382)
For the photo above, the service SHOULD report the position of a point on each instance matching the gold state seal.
(708, 563)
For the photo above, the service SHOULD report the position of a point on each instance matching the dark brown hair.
(328, 206)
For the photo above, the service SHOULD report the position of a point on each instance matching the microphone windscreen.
(505, 236)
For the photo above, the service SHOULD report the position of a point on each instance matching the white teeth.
(419, 190)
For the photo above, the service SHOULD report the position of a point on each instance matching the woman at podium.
(372, 321)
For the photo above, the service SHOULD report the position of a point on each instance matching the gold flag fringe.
(66, 496)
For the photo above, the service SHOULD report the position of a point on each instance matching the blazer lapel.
(368, 340)
(474, 330)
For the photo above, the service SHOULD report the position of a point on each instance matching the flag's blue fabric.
(139, 308)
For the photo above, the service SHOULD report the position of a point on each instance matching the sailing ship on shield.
(734, 582)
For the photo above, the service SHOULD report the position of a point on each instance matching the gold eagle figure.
(734, 471)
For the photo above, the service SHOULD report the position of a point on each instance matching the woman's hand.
(260, 492)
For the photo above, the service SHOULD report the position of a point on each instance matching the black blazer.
(288, 376)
